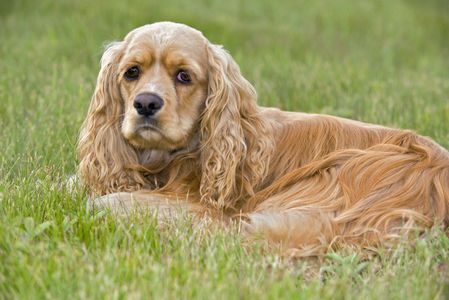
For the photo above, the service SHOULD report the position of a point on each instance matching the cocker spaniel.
(174, 125)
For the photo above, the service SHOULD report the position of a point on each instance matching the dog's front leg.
(124, 204)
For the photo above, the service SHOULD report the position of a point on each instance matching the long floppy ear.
(236, 145)
(102, 151)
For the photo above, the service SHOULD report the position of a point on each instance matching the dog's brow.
(177, 60)
(140, 54)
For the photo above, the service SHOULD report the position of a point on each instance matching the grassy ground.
(383, 61)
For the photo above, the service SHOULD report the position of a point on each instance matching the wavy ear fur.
(102, 151)
(235, 141)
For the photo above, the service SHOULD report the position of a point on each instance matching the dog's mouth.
(148, 133)
(148, 124)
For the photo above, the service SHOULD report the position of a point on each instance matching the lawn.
(382, 61)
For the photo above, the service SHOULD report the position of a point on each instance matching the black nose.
(147, 104)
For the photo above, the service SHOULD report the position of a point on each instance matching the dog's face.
(165, 87)
(162, 77)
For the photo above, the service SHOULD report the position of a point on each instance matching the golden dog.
(174, 124)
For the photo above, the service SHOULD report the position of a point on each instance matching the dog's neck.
(155, 160)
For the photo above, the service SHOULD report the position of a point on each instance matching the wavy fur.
(307, 182)
(104, 154)
(235, 140)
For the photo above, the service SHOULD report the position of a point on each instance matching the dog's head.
(165, 87)
(161, 78)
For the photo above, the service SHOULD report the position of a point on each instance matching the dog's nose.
(147, 104)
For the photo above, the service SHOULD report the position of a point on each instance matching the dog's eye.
(183, 77)
(132, 73)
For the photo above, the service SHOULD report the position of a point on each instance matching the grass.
(383, 61)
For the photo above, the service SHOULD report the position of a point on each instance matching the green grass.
(383, 61)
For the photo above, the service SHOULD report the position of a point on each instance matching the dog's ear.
(102, 151)
(235, 141)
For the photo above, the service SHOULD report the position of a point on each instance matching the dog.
(173, 125)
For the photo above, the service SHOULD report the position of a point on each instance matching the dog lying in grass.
(173, 125)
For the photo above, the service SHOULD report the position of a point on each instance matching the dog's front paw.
(117, 203)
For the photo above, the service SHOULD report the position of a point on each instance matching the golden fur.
(305, 181)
